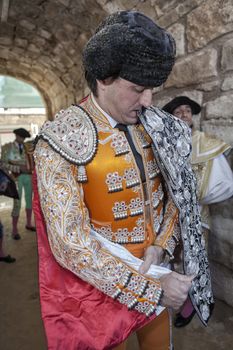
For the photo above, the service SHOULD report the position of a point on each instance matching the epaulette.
(72, 134)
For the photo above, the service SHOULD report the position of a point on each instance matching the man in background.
(15, 158)
(7, 188)
(213, 173)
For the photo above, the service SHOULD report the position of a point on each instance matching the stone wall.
(204, 71)
(41, 43)
(204, 66)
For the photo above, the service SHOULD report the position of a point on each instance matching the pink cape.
(76, 315)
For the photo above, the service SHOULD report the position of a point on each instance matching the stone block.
(210, 20)
(51, 77)
(61, 35)
(27, 24)
(177, 30)
(57, 89)
(45, 61)
(70, 98)
(4, 52)
(222, 129)
(64, 2)
(101, 2)
(186, 7)
(15, 54)
(66, 61)
(209, 86)
(23, 33)
(33, 48)
(58, 49)
(111, 7)
(227, 84)
(170, 12)
(44, 33)
(40, 43)
(36, 77)
(21, 42)
(168, 19)
(221, 241)
(2, 65)
(60, 67)
(6, 41)
(224, 207)
(227, 54)
(146, 8)
(7, 29)
(220, 107)
(26, 59)
(81, 41)
(25, 68)
(130, 4)
(60, 102)
(194, 69)
(165, 6)
(222, 280)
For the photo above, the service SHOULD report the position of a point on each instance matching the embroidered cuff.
(141, 294)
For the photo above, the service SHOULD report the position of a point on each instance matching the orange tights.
(154, 336)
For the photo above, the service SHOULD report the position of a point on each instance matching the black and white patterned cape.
(172, 149)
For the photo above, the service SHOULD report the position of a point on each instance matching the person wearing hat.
(15, 159)
(7, 188)
(114, 196)
(213, 173)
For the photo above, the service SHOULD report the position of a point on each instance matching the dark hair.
(91, 82)
(91, 79)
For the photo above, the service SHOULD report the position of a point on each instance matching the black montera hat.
(182, 100)
(22, 132)
(130, 45)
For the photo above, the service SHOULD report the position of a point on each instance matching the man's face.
(19, 139)
(184, 112)
(122, 100)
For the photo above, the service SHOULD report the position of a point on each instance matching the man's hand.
(175, 288)
(153, 255)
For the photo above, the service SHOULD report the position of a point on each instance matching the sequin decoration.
(157, 220)
(136, 206)
(157, 196)
(114, 182)
(152, 168)
(122, 235)
(131, 177)
(142, 138)
(120, 144)
(120, 210)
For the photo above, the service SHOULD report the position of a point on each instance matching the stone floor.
(20, 324)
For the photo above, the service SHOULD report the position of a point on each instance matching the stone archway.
(41, 43)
